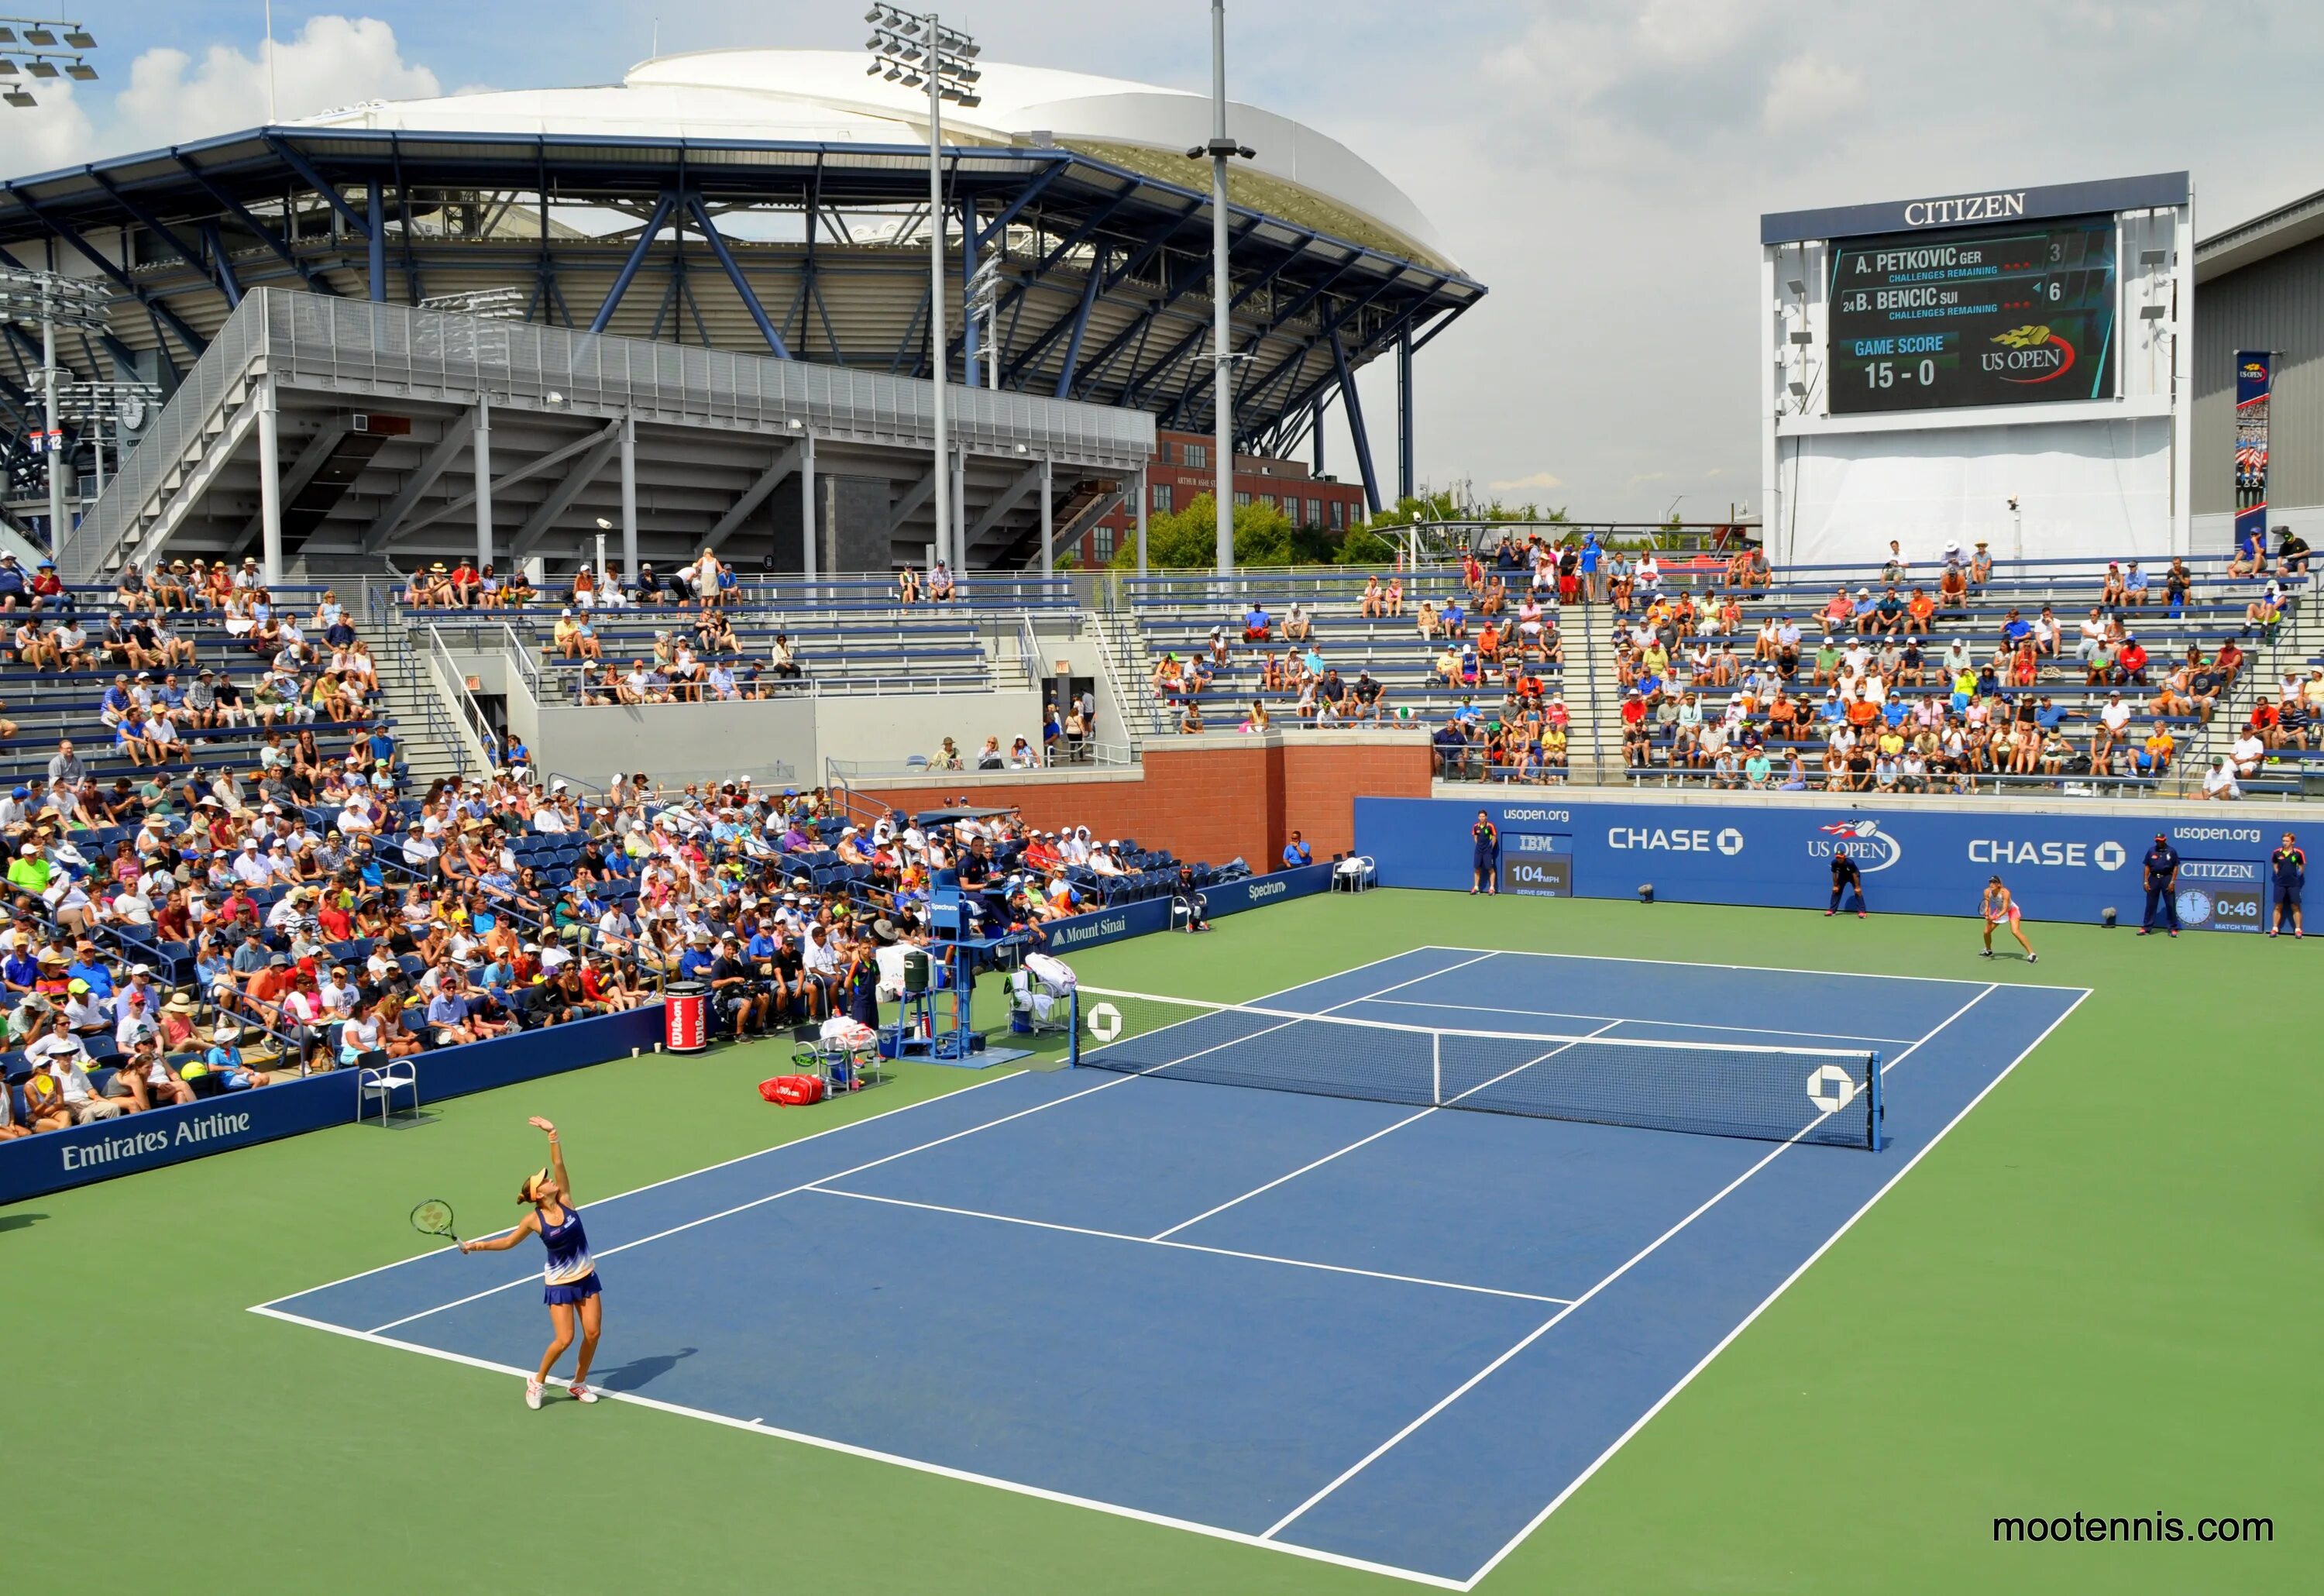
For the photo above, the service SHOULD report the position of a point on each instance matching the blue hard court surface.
(1378, 1335)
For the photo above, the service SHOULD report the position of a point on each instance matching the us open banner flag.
(2255, 381)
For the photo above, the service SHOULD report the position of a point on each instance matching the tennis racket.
(434, 1218)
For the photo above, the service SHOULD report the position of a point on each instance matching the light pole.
(29, 49)
(49, 299)
(1222, 330)
(95, 403)
(913, 49)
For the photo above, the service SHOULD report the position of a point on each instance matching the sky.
(1600, 167)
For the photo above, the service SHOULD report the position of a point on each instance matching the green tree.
(1187, 540)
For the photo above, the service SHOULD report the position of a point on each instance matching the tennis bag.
(792, 1091)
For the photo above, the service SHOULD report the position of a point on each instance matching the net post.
(1074, 1028)
(1436, 1069)
(1872, 1089)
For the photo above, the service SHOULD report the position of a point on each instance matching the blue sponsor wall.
(55, 1159)
(1079, 931)
(1915, 860)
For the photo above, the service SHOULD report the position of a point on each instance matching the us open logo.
(1872, 848)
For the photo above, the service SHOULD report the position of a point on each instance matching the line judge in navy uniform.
(1487, 838)
(2288, 865)
(2161, 866)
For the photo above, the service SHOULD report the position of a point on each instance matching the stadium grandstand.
(499, 692)
(693, 307)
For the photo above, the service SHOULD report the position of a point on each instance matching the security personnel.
(2290, 863)
(1487, 836)
(2162, 868)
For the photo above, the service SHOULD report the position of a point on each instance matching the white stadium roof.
(825, 97)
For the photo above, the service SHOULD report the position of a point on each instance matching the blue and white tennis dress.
(570, 1274)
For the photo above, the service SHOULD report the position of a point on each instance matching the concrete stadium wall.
(1214, 798)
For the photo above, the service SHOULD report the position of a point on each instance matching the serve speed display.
(2019, 315)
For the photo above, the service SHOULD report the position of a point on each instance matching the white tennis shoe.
(532, 1392)
(581, 1393)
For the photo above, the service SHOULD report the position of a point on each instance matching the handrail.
(481, 739)
(1029, 650)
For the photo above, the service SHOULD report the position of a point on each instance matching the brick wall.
(1209, 798)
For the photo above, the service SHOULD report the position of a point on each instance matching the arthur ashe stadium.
(710, 280)
(1316, 1080)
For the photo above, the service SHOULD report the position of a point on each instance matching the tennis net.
(1706, 1088)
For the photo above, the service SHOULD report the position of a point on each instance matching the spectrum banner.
(1915, 860)
(2254, 386)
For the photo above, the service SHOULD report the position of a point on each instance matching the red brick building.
(1183, 470)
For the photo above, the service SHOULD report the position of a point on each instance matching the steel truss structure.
(807, 252)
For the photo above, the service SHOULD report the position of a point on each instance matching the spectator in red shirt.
(2132, 661)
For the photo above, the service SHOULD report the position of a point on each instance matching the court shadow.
(641, 1371)
(20, 1221)
(406, 1120)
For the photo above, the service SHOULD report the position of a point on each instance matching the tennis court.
(1366, 1332)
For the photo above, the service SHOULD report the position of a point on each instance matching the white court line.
(1075, 1230)
(883, 1115)
(1376, 1135)
(1579, 1480)
(1755, 1030)
(916, 1465)
(1462, 1390)
(1526, 953)
(889, 1158)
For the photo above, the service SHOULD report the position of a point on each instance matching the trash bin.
(686, 1017)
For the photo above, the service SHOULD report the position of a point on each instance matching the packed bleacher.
(1362, 649)
(705, 631)
(1953, 676)
(252, 894)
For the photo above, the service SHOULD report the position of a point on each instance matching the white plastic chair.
(383, 1083)
(1344, 880)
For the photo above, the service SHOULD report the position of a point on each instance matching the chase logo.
(1871, 847)
(2108, 855)
(1731, 841)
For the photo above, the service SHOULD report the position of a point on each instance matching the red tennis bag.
(794, 1091)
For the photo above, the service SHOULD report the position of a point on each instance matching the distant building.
(1184, 470)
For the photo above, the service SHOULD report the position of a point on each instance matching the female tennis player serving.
(570, 1277)
(2001, 909)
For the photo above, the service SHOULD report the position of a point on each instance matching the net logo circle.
(1830, 1088)
(1104, 1021)
(1872, 848)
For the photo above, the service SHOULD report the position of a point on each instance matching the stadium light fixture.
(1798, 288)
(920, 52)
(28, 49)
(49, 301)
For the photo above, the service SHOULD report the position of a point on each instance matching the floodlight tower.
(913, 49)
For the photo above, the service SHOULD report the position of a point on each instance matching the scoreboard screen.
(2016, 315)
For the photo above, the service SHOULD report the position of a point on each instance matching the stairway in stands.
(1593, 749)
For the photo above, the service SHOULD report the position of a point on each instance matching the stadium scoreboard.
(2021, 314)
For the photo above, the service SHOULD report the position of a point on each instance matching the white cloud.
(333, 61)
(1808, 89)
(53, 133)
(1539, 479)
